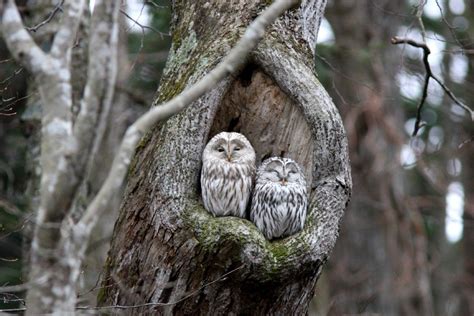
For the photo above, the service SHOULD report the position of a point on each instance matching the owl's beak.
(284, 181)
(229, 153)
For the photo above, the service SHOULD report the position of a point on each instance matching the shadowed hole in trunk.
(255, 106)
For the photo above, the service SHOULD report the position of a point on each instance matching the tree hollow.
(255, 106)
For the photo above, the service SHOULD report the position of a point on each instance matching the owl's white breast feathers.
(226, 187)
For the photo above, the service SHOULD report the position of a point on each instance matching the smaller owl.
(228, 169)
(279, 200)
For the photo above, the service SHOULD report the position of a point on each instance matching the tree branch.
(428, 74)
(14, 288)
(64, 38)
(51, 15)
(102, 70)
(147, 27)
(311, 20)
(185, 297)
(19, 42)
(53, 79)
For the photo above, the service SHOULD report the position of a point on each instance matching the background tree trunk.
(122, 114)
(168, 253)
(467, 177)
(367, 273)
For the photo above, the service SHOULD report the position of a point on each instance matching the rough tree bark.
(168, 254)
(66, 140)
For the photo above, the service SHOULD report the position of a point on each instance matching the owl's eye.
(220, 149)
(237, 148)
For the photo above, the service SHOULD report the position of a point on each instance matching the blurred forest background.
(406, 245)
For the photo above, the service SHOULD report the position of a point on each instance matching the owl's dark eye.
(220, 149)
(237, 148)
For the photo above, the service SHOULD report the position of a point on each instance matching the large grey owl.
(279, 199)
(228, 168)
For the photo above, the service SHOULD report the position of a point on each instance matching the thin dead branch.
(428, 74)
(185, 297)
(51, 15)
(144, 27)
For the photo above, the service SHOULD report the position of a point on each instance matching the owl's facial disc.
(292, 172)
(281, 173)
(221, 149)
(236, 149)
(229, 151)
(274, 172)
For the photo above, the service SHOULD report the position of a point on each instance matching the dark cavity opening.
(255, 106)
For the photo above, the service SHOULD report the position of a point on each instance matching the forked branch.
(428, 74)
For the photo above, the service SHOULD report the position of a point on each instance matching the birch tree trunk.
(58, 243)
(168, 255)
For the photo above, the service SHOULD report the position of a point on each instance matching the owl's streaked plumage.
(228, 169)
(279, 199)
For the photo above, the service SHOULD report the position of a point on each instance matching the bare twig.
(189, 295)
(460, 51)
(22, 287)
(14, 74)
(9, 107)
(51, 15)
(18, 228)
(4, 61)
(13, 310)
(428, 74)
(155, 4)
(452, 96)
(8, 259)
(338, 71)
(14, 288)
(419, 17)
(450, 27)
(147, 27)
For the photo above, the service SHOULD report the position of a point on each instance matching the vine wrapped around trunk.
(168, 254)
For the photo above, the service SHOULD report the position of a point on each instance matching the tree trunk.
(467, 177)
(467, 282)
(380, 265)
(168, 254)
(122, 114)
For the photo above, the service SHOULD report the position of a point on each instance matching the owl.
(279, 200)
(228, 169)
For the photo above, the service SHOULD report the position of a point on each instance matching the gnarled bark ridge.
(171, 256)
